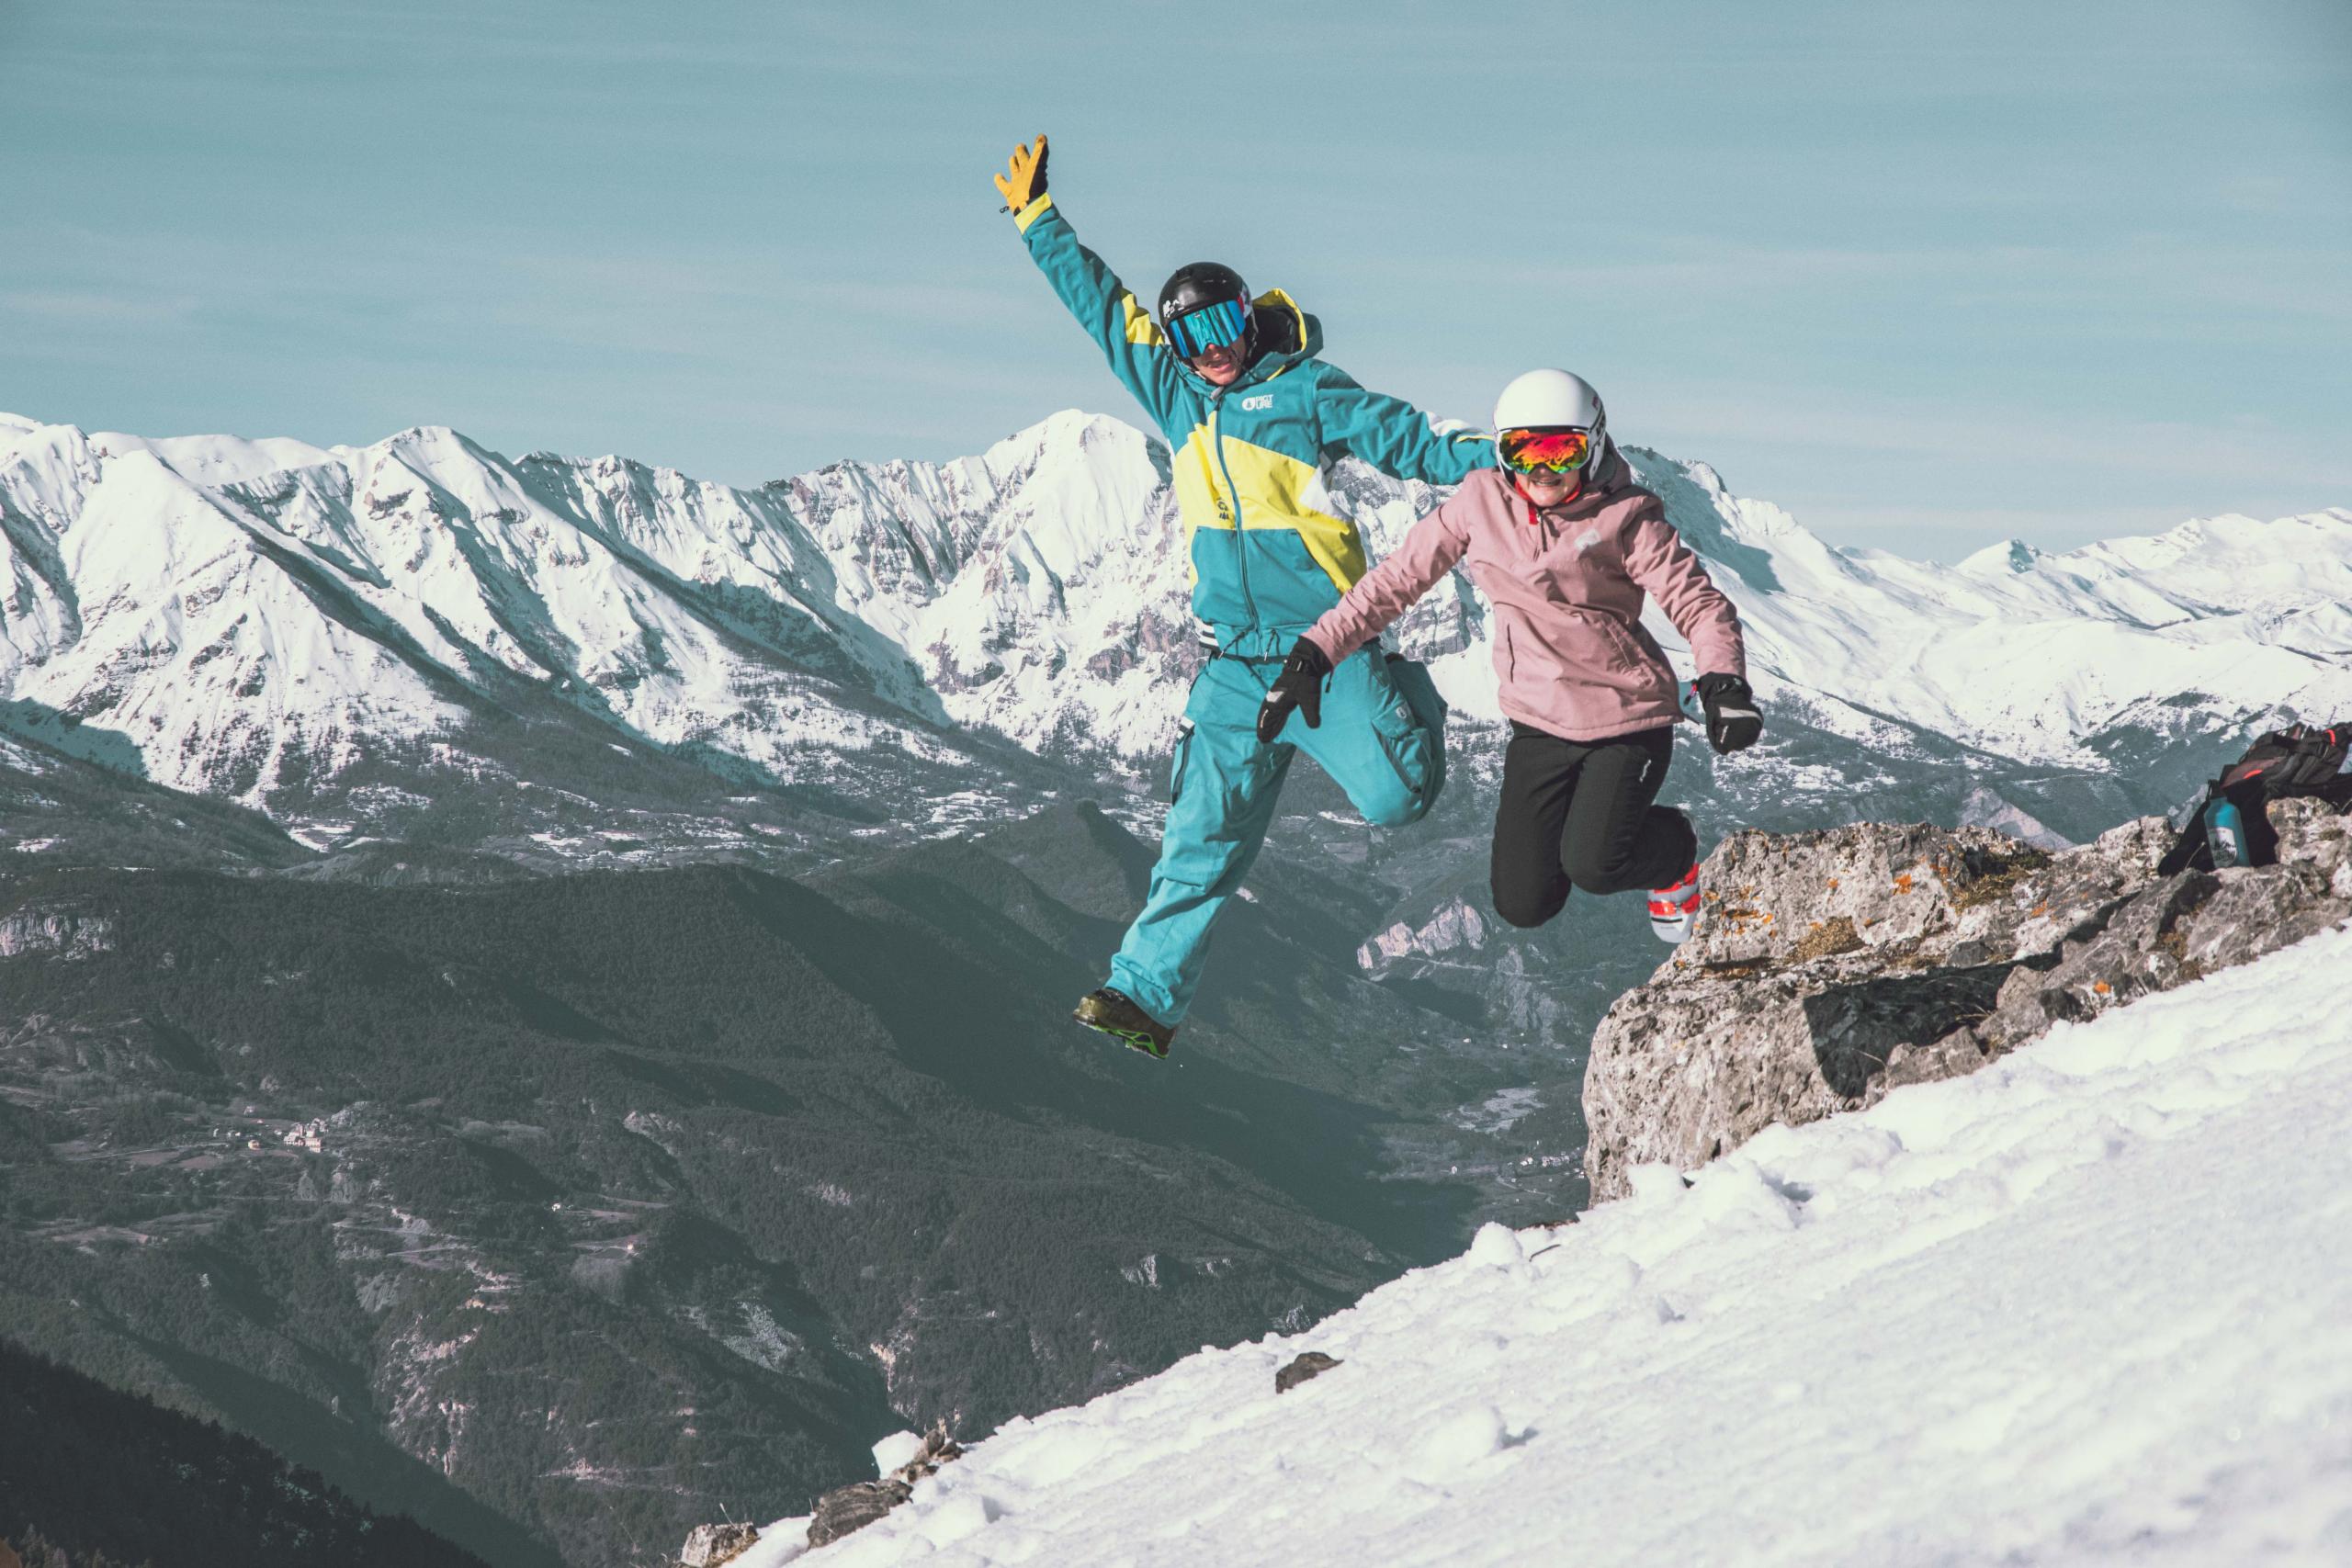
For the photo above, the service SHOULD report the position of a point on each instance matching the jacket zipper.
(1241, 541)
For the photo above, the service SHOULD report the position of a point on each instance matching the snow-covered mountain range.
(335, 635)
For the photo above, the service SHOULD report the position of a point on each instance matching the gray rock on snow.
(853, 1507)
(712, 1545)
(1307, 1364)
(838, 1512)
(1830, 967)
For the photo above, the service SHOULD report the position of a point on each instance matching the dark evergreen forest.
(91, 1477)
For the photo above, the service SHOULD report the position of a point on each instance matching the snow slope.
(2092, 1304)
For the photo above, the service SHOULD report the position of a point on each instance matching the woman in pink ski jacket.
(1565, 547)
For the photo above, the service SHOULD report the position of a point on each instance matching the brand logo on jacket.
(1262, 401)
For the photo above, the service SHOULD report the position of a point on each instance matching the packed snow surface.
(2093, 1305)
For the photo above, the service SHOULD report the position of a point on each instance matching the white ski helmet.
(1554, 399)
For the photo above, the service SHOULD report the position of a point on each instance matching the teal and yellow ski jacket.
(1268, 556)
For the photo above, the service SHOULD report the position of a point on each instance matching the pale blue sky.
(1926, 276)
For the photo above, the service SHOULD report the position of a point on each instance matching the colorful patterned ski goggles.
(1561, 451)
(1221, 324)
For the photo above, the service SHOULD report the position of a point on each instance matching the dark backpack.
(2302, 760)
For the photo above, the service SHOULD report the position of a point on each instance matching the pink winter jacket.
(1566, 586)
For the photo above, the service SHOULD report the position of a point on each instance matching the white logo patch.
(1263, 400)
(1586, 540)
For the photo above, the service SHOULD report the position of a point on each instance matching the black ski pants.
(1577, 814)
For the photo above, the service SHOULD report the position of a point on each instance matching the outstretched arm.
(1110, 314)
(1393, 437)
(1430, 550)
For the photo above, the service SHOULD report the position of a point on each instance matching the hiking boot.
(1673, 909)
(1116, 1015)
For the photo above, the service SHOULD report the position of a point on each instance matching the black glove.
(1300, 686)
(1733, 723)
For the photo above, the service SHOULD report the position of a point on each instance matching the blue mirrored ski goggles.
(1220, 325)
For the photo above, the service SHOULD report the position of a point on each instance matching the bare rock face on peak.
(1828, 967)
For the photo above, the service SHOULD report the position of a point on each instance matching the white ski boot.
(1674, 909)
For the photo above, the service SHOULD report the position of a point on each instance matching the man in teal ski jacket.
(1252, 415)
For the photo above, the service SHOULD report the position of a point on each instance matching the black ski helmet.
(1197, 284)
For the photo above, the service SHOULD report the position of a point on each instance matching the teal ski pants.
(1382, 740)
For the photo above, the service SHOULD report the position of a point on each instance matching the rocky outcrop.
(710, 1546)
(1451, 931)
(854, 1507)
(1306, 1364)
(57, 934)
(1828, 967)
(840, 1511)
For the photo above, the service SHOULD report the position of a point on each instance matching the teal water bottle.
(2225, 833)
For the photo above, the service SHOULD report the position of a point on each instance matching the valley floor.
(2093, 1305)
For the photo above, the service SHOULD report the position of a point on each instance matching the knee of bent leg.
(1528, 913)
(1393, 805)
(1400, 783)
(1528, 906)
(1389, 795)
(1665, 838)
(1599, 870)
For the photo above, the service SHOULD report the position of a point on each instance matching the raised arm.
(1430, 549)
(1393, 435)
(1671, 573)
(1110, 314)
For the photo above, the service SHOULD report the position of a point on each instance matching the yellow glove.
(1023, 180)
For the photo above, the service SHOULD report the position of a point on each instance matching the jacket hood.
(1293, 334)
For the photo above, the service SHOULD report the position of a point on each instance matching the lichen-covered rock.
(1769, 893)
(1684, 1068)
(1828, 968)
